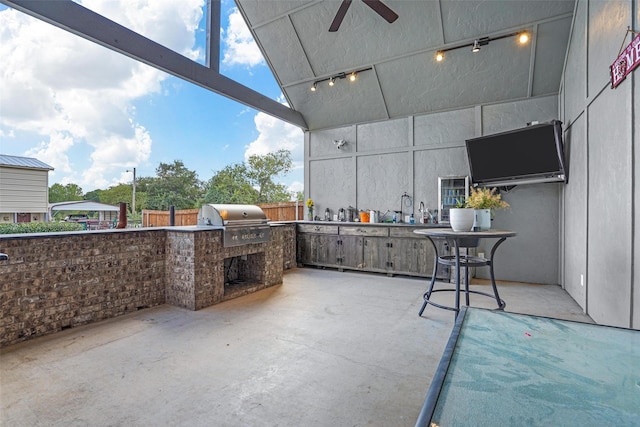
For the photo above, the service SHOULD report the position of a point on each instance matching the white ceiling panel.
(551, 44)
(470, 19)
(406, 80)
(288, 61)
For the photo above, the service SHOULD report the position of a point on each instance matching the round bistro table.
(462, 240)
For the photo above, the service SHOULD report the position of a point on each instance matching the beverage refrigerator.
(451, 191)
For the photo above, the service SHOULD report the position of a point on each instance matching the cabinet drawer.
(318, 229)
(364, 230)
(405, 232)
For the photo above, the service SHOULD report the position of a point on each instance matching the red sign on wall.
(626, 62)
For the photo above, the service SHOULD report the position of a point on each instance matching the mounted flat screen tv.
(523, 156)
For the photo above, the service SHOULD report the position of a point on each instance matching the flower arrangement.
(309, 203)
(485, 198)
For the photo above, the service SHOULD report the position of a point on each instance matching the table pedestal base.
(459, 261)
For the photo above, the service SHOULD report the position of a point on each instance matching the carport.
(106, 213)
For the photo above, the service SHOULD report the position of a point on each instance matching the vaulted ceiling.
(405, 79)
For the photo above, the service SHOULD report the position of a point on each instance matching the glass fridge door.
(451, 191)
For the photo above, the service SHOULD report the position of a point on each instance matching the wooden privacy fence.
(283, 211)
(161, 218)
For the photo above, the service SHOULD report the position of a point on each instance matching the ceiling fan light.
(439, 56)
(476, 47)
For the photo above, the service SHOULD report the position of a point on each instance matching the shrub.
(39, 227)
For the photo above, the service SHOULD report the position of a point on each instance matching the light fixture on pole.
(133, 195)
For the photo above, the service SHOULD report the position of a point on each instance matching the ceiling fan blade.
(340, 16)
(382, 10)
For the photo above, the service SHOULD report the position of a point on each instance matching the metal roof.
(83, 205)
(23, 162)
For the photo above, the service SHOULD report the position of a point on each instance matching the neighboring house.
(24, 189)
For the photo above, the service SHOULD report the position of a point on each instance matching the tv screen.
(523, 156)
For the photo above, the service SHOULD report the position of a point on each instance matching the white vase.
(482, 220)
(461, 219)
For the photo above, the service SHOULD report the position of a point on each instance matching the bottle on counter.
(412, 220)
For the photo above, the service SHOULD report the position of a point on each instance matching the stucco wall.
(600, 241)
(382, 160)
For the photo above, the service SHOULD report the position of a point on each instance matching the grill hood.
(231, 215)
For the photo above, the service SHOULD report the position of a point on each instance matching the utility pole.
(133, 196)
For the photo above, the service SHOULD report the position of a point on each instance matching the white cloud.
(241, 49)
(70, 93)
(274, 135)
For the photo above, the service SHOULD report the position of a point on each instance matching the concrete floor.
(324, 349)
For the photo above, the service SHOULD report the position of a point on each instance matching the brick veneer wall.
(55, 281)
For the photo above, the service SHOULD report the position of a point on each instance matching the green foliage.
(176, 186)
(300, 196)
(94, 195)
(118, 193)
(263, 169)
(231, 185)
(251, 182)
(39, 227)
(66, 193)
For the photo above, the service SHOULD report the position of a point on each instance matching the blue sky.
(92, 113)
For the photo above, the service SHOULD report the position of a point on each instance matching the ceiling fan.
(377, 5)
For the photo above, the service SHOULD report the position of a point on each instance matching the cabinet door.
(425, 259)
(317, 249)
(325, 249)
(306, 247)
(376, 253)
(404, 255)
(350, 252)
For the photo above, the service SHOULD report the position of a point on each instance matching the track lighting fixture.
(523, 37)
(352, 75)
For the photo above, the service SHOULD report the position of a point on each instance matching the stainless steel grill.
(242, 224)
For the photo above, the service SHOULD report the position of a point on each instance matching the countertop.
(368, 224)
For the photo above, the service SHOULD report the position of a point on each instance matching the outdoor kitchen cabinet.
(410, 253)
(373, 248)
(318, 245)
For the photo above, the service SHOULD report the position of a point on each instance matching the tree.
(251, 182)
(116, 194)
(93, 195)
(231, 185)
(174, 185)
(66, 193)
(262, 171)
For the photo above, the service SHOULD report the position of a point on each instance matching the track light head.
(331, 81)
(353, 76)
(476, 47)
(523, 37)
(439, 56)
(314, 87)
